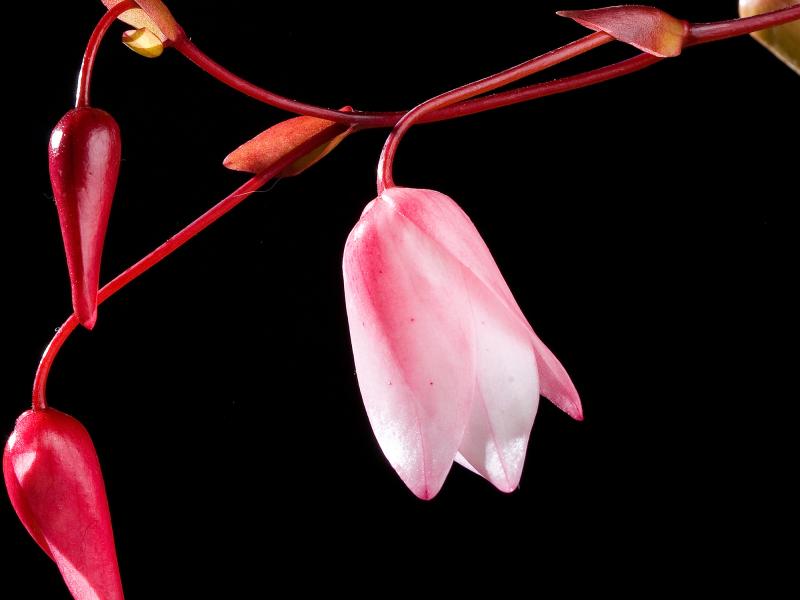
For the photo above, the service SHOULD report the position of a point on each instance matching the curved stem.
(701, 33)
(85, 74)
(447, 106)
(541, 90)
(367, 120)
(160, 253)
(482, 86)
(186, 47)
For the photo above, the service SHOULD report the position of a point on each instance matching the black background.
(645, 226)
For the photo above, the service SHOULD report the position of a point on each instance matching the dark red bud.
(85, 150)
(54, 481)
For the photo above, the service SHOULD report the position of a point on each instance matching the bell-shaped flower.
(448, 366)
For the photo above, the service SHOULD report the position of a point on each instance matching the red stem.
(699, 33)
(540, 90)
(440, 108)
(476, 88)
(160, 253)
(186, 47)
(103, 25)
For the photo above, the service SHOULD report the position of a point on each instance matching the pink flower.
(448, 366)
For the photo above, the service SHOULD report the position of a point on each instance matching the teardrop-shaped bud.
(153, 15)
(85, 150)
(54, 482)
(644, 27)
(784, 40)
(268, 147)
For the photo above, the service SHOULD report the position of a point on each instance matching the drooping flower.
(448, 366)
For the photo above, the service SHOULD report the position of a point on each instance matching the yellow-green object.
(144, 42)
(783, 41)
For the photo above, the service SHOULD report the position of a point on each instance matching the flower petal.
(440, 218)
(411, 329)
(506, 393)
(152, 15)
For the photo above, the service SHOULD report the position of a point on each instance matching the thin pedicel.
(459, 106)
(407, 240)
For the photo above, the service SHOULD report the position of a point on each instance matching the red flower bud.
(268, 147)
(54, 481)
(85, 151)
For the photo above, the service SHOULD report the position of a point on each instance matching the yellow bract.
(144, 42)
(783, 41)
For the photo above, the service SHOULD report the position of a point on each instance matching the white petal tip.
(507, 489)
(504, 485)
(424, 492)
(424, 488)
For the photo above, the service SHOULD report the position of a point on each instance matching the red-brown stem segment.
(541, 90)
(702, 33)
(371, 119)
(367, 120)
(186, 47)
(476, 88)
(698, 33)
(160, 253)
(103, 25)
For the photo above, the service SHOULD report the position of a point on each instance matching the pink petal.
(441, 219)
(555, 382)
(506, 394)
(411, 328)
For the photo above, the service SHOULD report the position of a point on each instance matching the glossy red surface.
(84, 153)
(55, 484)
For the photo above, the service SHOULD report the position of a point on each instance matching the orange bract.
(260, 153)
(152, 15)
(648, 29)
